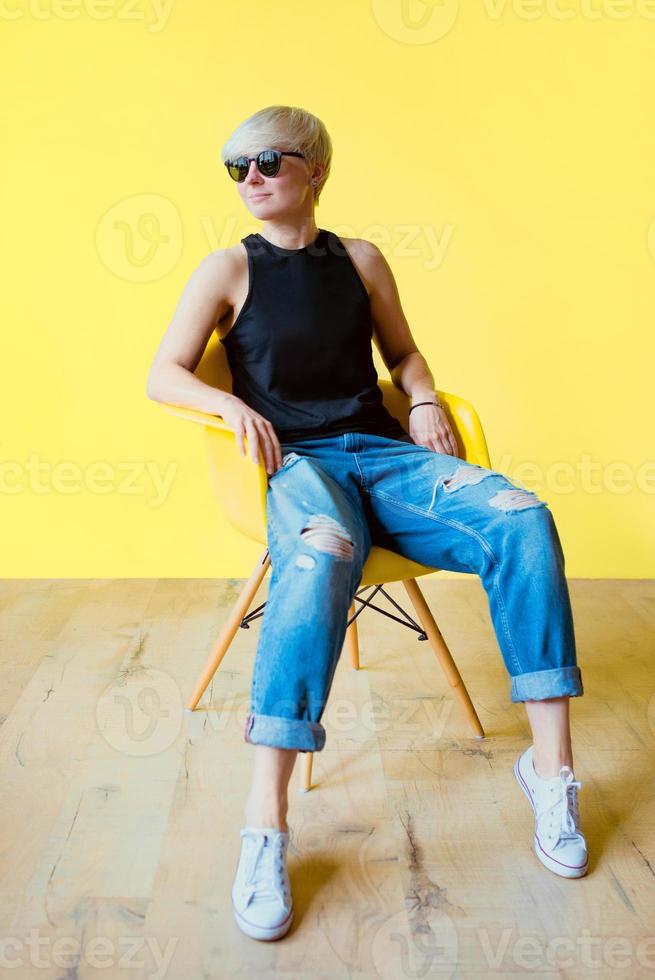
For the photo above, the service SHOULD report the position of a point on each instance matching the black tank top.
(300, 349)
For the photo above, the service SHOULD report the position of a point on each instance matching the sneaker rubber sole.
(260, 932)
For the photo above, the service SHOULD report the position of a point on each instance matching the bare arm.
(413, 376)
(428, 425)
(203, 303)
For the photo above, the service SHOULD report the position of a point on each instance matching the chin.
(273, 210)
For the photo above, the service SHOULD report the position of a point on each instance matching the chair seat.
(241, 491)
(383, 565)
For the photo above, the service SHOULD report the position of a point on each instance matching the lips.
(257, 197)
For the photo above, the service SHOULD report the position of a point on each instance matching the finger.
(446, 439)
(265, 443)
(253, 441)
(238, 432)
(445, 442)
(437, 442)
(270, 445)
(276, 449)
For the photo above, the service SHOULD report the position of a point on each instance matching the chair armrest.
(195, 415)
(239, 483)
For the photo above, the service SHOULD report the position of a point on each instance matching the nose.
(253, 175)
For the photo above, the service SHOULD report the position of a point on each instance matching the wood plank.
(411, 856)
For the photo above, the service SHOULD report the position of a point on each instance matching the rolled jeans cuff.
(284, 733)
(542, 684)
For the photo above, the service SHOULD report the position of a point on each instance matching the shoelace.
(569, 807)
(261, 845)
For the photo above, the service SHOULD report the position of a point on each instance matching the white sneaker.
(558, 841)
(261, 893)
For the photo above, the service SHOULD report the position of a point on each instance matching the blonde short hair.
(283, 127)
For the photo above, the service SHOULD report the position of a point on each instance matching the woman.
(296, 308)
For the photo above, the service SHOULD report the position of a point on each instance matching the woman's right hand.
(245, 421)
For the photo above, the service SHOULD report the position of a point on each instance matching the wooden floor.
(411, 856)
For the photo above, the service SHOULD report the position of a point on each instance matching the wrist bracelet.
(437, 404)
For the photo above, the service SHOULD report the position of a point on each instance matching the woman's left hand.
(429, 427)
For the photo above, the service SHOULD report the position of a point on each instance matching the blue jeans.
(332, 499)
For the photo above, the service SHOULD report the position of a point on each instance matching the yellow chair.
(240, 486)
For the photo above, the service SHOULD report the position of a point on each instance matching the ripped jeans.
(330, 501)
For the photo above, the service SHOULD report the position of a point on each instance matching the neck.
(292, 233)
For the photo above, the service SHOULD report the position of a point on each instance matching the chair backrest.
(241, 497)
(213, 368)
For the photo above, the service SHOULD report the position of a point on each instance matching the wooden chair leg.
(226, 635)
(306, 759)
(352, 640)
(443, 654)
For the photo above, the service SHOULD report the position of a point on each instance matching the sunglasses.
(268, 162)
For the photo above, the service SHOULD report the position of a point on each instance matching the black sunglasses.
(268, 162)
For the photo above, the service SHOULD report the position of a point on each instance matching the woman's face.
(273, 197)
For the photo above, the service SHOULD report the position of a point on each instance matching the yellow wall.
(502, 155)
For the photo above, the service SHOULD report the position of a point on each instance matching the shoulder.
(224, 261)
(368, 260)
(217, 272)
(361, 248)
